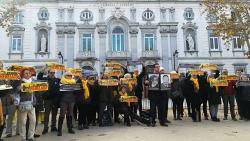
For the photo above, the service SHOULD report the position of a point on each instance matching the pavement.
(184, 130)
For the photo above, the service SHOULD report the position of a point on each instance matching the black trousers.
(93, 111)
(50, 107)
(105, 106)
(204, 106)
(196, 112)
(229, 99)
(188, 100)
(160, 104)
(177, 107)
(83, 109)
(129, 114)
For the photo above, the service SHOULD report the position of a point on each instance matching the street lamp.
(175, 55)
(60, 56)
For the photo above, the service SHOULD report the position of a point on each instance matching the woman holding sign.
(26, 108)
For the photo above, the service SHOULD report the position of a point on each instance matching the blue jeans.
(213, 110)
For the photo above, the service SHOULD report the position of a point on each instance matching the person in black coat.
(176, 93)
(51, 100)
(203, 89)
(188, 90)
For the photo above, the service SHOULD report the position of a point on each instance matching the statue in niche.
(190, 43)
(43, 43)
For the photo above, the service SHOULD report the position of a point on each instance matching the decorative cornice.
(101, 28)
(167, 27)
(14, 28)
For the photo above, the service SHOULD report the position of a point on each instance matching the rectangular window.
(237, 43)
(18, 17)
(149, 42)
(86, 42)
(118, 42)
(214, 43)
(16, 43)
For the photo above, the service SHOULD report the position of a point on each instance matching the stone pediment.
(16, 28)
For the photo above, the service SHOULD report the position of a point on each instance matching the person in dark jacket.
(139, 87)
(157, 100)
(214, 98)
(67, 101)
(106, 99)
(203, 84)
(93, 102)
(188, 90)
(51, 100)
(176, 93)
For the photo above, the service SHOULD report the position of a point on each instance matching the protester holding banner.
(204, 87)
(82, 101)
(51, 99)
(67, 101)
(228, 96)
(196, 99)
(176, 95)
(93, 99)
(26, 108)
(214, 97)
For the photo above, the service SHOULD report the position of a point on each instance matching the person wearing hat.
(51, 99)
(67, 101)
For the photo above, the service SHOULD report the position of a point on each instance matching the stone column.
(133, 43)
(166, 62)
(70, 50)
(102, 31)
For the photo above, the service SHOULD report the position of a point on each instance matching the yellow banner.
(54, 66)
(209, 66)
(219, 83)
(34, 87)
(9, 75)
(196, 72)
(20, 68)
(128, 99)
(114, 65)
(75, 71)
(232, 77)
(132, 81)
(108, 82)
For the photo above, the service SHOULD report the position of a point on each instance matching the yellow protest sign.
(125, 81)
(75, 71)
(209, 66)
(34, 87)
(128, 99)
(108, 82)
(218, 83)
(9, 75)
(54, 66)
(196, 72)
(232, 77)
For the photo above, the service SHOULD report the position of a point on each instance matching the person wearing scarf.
(196, 100)
(82, 103)
(214, 98)
(66, 103)
(93, 98)
(26, 108)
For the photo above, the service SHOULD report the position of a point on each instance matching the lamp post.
(60, 56)
(175, 54)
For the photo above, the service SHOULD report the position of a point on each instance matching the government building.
(88, 33)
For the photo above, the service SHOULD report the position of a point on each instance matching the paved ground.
(184, 130)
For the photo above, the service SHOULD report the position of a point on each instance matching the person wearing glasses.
(51, 99)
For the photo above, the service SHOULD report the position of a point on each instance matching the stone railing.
(118, 55)
(150, 54)
(85, 55)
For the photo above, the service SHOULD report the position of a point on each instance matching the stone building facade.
(89, 32)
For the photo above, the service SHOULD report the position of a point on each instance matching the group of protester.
(94, 104)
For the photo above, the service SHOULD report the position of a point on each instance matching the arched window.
(118, 39)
